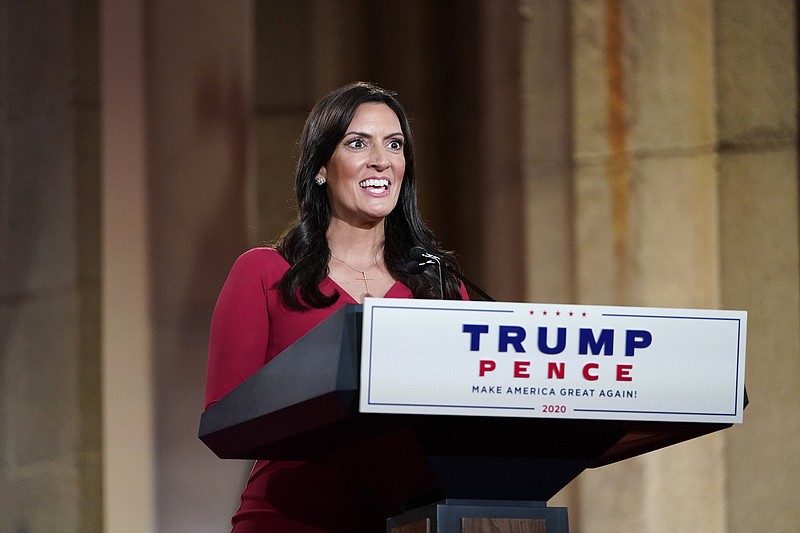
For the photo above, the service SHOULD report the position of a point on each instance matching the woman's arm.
(239, 328)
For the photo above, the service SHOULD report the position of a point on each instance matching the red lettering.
(486, 366)
(521, 369)
(624, 373)
(588, 376)
(555, 369)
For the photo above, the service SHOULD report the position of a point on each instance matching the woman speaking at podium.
(357, 220)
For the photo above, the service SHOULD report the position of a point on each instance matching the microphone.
(422, 259)
(418, 252)
(415, 267)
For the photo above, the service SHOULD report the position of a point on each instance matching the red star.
(544, 313)
(531, 312)
(570, 313)
(558, 313)
(583, 314)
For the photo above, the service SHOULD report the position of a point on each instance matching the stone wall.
(757, 120)
(653, 161)
(683, 193)
(199, 146)
(646, 223)
(50, 432)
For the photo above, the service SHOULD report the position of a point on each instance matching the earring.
(319, 180)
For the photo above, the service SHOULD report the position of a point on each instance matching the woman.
(357, 220)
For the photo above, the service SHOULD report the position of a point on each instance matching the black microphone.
(415, 267)
(422, 259)
(417, 252)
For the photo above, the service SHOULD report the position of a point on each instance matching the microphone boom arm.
(421, 259)
(468, 283)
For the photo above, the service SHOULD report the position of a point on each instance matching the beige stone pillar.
(127, 377)
(684, 138)
(50, 431)
(757, 120)
(646, 222)
(547, 151)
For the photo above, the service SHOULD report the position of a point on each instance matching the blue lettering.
(587, 342)
(513, 335)
(561, 341)
(636, 338)
(475, 331)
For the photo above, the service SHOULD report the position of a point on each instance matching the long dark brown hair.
(304, 244)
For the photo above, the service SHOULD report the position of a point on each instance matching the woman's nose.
(378, 159)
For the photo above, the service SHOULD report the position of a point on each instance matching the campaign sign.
(552, 360)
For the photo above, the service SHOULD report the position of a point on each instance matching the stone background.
(630, 152)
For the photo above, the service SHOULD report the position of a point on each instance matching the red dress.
(250, 326)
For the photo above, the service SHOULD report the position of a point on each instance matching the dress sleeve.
(239, 328)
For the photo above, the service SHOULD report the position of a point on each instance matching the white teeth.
(372, 182)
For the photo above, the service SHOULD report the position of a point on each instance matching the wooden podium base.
(481, 516)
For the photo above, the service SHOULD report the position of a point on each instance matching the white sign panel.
(552, 360)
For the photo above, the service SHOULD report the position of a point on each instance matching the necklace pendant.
(363, 276)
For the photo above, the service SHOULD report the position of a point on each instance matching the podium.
(484, 472)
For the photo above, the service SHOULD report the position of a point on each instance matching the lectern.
(491, 451)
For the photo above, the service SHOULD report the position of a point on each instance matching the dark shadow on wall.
(219, 108)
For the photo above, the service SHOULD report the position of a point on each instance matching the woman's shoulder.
(266, 261)
(262, 253)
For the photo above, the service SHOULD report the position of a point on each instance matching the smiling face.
(365, 173)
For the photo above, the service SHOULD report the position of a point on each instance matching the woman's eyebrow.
(369, 135)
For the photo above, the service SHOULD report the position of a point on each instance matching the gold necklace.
(363, 273)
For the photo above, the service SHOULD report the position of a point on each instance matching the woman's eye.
(395, 145)
(356, 143)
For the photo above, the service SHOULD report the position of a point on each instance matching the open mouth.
(375, 183)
